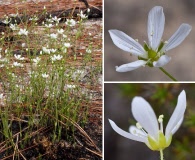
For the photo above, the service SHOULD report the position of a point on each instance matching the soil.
(85, 142)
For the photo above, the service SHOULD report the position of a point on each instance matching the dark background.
(163, 99)
(130, 16)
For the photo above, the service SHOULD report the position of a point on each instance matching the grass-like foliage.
(45, 83)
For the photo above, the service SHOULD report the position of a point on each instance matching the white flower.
(49, 25)
(64, 36)
(1, 96)
(70, 86)
(13, 27)
(36, 60)
(34, 18)
(3, 59)
(152, 54)
(88, 10)
(46, 50)
(23, 32)
(45, 75)
(88, 50)
(83, 16)
(6, 51)
(16, 64)
(56, 57)
(53, 36)
(23, 45)
(7, 20)
(70, 22)
(53, 50)
(67, 45)
(147, 129)
(19, 57)
(60, 31)
(55, 19)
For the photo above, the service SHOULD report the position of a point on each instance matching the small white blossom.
(56, 57)
(70, 86)
(55, 19)
(4, 60)
(36, 60)
(6, 20)
(67, 45)
(49, 25)
(88, 50)
(60, 31)
(16, 64)
(70, 22)
(64, 36)
(6, 51)
(45, 75)
(147, 130)
(46, 50)
(88, 10)
(53, 50)
(23, 45)
(83, 16)
(13, 27)
(53, 36)
(1, 96)
(153, 53)
(19, 57)
(23, 32)
(34, 18)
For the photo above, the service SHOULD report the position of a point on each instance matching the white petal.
(156, 22)
(137, 132)
(177, 126)
(126, 43)
(177, 37)
(130, 66)
(144, 114)
(177, 114)
(124, 133)
(163, 60)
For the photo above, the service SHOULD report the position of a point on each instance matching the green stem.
(161, 155)
(165, 72)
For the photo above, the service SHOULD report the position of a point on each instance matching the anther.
(160, 120)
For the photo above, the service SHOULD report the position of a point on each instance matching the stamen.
(160, 120)
(140, 127)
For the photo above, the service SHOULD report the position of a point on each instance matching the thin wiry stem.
(165, 72)
(161, 155)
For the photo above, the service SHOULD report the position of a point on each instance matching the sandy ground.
(131, 18)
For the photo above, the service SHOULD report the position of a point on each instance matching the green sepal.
(162, 140)
(160, 46)
(146, 47)
(153, 145)
(159, 144)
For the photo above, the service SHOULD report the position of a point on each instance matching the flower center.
(152, 55)
(161, 142)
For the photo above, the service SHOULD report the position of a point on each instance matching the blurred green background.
(131, 16)
(163, 98)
